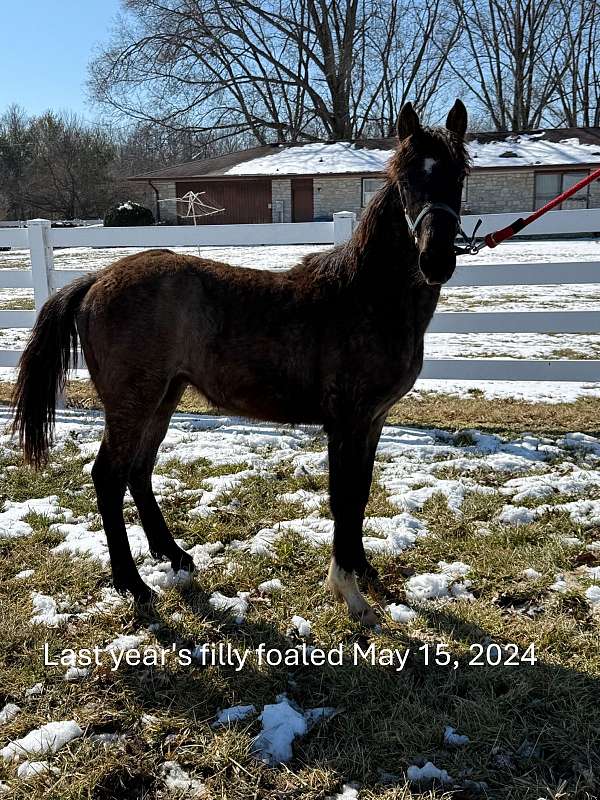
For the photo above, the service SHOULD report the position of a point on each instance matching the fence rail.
(41, 239)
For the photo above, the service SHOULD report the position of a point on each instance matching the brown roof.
(219, 166)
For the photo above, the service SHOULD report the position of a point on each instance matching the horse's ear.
(408, 121)
(456, 120)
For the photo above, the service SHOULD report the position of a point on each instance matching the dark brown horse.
(336, 341)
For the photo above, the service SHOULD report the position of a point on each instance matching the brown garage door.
(243, 201)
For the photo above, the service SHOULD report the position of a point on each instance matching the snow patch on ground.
(234, 714)
(592, 594)
(219, 485)
(33, 769)
(46, 739)
(531, 574)
(178, 780)
(46, 611)
(428, 772)
(582, 512)
(436, 585)
(568, 479)
(126, 641)
(303, 626)
(236, 606)
(272, 586)
(454, 739)
(311, 501)
(348, 792)
(281, 724)
(11, 518)
(8, 713)
(401, 613)
(427, 586)
(23, 575)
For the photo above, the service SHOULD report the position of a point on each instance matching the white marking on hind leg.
(344, 587)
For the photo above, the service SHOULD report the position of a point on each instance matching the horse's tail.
(43, 367)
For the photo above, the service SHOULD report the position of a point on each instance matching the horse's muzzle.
(436, 269)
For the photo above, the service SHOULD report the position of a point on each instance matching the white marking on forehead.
(428, 164)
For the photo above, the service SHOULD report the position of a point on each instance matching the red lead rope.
(492, 239)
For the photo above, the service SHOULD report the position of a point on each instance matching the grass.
(17, 304)
(532, 728)
(427, 409)
(571, 353)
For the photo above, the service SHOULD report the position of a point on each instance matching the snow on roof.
(314, 159)
(532, 149)
(520, 150)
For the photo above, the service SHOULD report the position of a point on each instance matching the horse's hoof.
(144, 600)
(142, 594)
(183, 561)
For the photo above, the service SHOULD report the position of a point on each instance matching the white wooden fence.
(43, 278)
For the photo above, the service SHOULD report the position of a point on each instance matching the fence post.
(343, 226)
(42, 259)
(42, 262)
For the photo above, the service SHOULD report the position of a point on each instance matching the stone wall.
(337, 194)
(497, 192)
(281, 200)
(168, 211)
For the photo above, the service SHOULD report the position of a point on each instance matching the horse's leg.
(351, 457)
(140, 484)
(109, 473)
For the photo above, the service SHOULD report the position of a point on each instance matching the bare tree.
(70, 172)
(283, 70)
(54, 164)
(16, 148)
(578, 84)
(409, 44)
(511, 58)
(145, 146)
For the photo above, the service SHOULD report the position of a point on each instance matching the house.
(304, 182)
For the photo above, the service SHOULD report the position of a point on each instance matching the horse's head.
(429, 168)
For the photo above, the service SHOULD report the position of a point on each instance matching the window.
(370, 187)
(550, 184)
(580, 198)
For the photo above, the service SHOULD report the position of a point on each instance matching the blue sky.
(45, 50)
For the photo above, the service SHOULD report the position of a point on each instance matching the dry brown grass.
(428, 409)
(387, 721)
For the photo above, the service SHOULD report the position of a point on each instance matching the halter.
(413, 226)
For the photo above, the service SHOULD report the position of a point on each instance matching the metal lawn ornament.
(194, 206)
